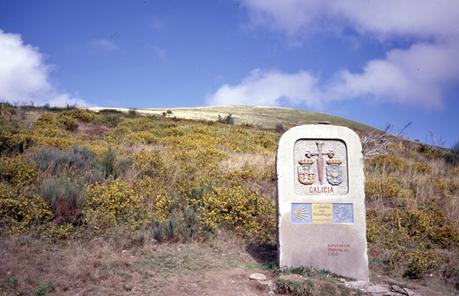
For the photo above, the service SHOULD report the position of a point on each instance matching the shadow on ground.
(263, 253)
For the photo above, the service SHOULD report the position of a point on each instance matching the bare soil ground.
(29, 266)
(100, 267)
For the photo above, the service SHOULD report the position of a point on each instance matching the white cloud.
(287, 15)
(268, 88)
(399, 77)
(103, 44)
(413, 17)
(24, 76)
(415, 75)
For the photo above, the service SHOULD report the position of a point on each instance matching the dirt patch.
(99, 267)
(93, 129)
(102, 267)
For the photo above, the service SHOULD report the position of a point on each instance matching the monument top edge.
(321, 129)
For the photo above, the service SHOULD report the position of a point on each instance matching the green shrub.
(173, 131)
(83, 115)
(17, 171)
(116, 203)
(149, 164)
(451, 273)
(429, 225)
(239, 209)
(389, 163)
(19, 211)
(69, 123)
(13, 140)
(7, 111)
(110, 111)
(132, 113)
(421, 261)
(422, 168)
(139, 137)
(382, 188)
(228, 119)
(297, 288)
(42, 289)
(280, 128)
(409, 240)
(110, 118)
(46, 119)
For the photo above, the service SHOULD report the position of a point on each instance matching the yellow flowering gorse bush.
(240, 209)
(115, 203)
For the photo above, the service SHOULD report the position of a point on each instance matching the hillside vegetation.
(93, 185)
(266, 117)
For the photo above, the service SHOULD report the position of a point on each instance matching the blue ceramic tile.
(301, 213)
(343, 213)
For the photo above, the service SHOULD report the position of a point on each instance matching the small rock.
(292, 277)
(377, 289)
(398, 289)
(265, 283)
(409, 292)
(257, 276)
(368, 287)
(360, 285)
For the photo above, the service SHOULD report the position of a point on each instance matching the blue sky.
(377, 62)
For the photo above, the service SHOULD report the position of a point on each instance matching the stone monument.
(320, 202)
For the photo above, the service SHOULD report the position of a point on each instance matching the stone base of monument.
(321, 210)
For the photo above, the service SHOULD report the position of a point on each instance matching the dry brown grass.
(239, 161)
(417, 189)
(140, 147)
(122, 267)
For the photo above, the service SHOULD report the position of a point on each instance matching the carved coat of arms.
(306, 174)
(307, 171)
(334, 170)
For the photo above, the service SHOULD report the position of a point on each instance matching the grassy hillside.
(129, 203)
(265, 117)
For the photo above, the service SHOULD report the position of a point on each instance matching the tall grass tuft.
(65, 199)
(108, 163)
(182, 225)
(55, 161)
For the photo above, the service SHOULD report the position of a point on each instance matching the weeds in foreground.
(309, 281)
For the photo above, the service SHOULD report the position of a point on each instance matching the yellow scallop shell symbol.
(300, 213)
